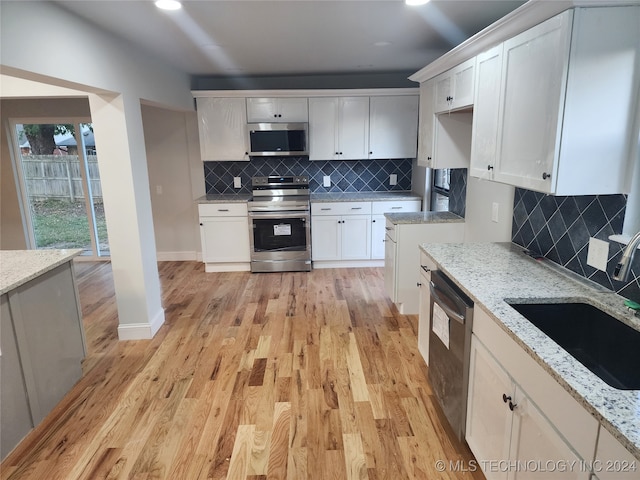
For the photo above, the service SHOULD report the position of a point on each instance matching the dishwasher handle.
(448, 310)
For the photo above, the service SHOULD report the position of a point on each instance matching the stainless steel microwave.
(278, 139)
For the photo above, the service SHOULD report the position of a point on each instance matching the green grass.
(64, 224)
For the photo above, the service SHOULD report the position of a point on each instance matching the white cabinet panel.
(356, 237)
(341, 231)
(560, 130)
(325, 237)
(338, 128)
(488, 418)
(377, 236)
(265, 109)
(426, 124)
(613, 461)
(486, 110)
(222, 127)
(454, 88)
(535, 442)
(393, 126)
(224, 235)
(535, 64)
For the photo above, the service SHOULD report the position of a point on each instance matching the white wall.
(481, 195)
(170, 159)
(56, 39)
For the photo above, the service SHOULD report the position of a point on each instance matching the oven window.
(279, 235)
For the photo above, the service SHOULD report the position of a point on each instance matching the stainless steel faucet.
(622, 269)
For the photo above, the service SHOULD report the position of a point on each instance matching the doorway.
(59, 182)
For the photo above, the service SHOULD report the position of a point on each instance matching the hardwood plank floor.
(254, 376)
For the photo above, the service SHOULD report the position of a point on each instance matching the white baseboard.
(347, 263)
(227, 267)
(176, 256)
(141, 331)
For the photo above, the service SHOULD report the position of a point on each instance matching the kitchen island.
(494, 274)
(42, 342)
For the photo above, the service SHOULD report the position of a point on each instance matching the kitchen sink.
(602, 343)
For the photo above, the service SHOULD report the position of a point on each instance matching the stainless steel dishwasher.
(449, 347)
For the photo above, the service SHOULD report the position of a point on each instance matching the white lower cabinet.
(340, 231)
(402, 255)
(224, 233)
(347, 234)
(424, 312)
(613, 461)
(520, 422)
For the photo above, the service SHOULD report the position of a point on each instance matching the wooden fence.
(58, 177)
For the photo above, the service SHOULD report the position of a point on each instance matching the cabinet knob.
(201, 224)
(373, 221)
(428, 159)
(418, 284)
(370, 153)
(506, 399)
(545, 175)
(489, 167)
(337, 153)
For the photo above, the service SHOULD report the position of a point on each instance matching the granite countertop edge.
(491, 273)
(318, 197)
(364, 196)
(18, 267)
(416, 218)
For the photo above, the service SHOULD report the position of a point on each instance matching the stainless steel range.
(279, 224)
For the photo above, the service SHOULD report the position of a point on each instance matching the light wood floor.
(253, 376)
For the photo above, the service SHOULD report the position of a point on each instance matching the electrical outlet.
(326, 181)
(237, 182)
(393, 179)
(158, 189)
(598, 254)
(494, 212)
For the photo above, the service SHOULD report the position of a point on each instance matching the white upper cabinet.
(454, 88)
(568, 103)
(338, 128)
(426, 124)
(393, 126)
(222, 127)
(486, 105)
(285, 110)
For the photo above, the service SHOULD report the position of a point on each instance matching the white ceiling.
(294, 37)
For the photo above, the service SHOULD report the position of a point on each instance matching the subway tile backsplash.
(560, 227)
(346, 176)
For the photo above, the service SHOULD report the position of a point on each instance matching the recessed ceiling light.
(168, 4)
(416, 2)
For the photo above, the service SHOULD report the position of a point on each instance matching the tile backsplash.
(560, 227)
(458, 191)
(346, 176)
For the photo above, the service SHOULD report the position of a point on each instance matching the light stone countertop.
(17, 267)
(489, 273)
(224, 198)
(364, 196)
(413, 218)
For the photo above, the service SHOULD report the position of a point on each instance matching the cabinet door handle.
(325, 209)
(489, 167)
(223, 209)
(506, 399)
(373, 221)
(388, 228)
(201, 224)
(396, 208)
(356, 208)
(418, 284)
(425, 268)
(428, 159)
(545, 175)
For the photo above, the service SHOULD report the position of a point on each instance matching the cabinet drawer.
(425, 261)
(391, 230)
(341, 208)
(389, 206)
(222, 209)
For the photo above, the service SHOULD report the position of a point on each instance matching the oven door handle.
(448, 310)
(276, 215)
